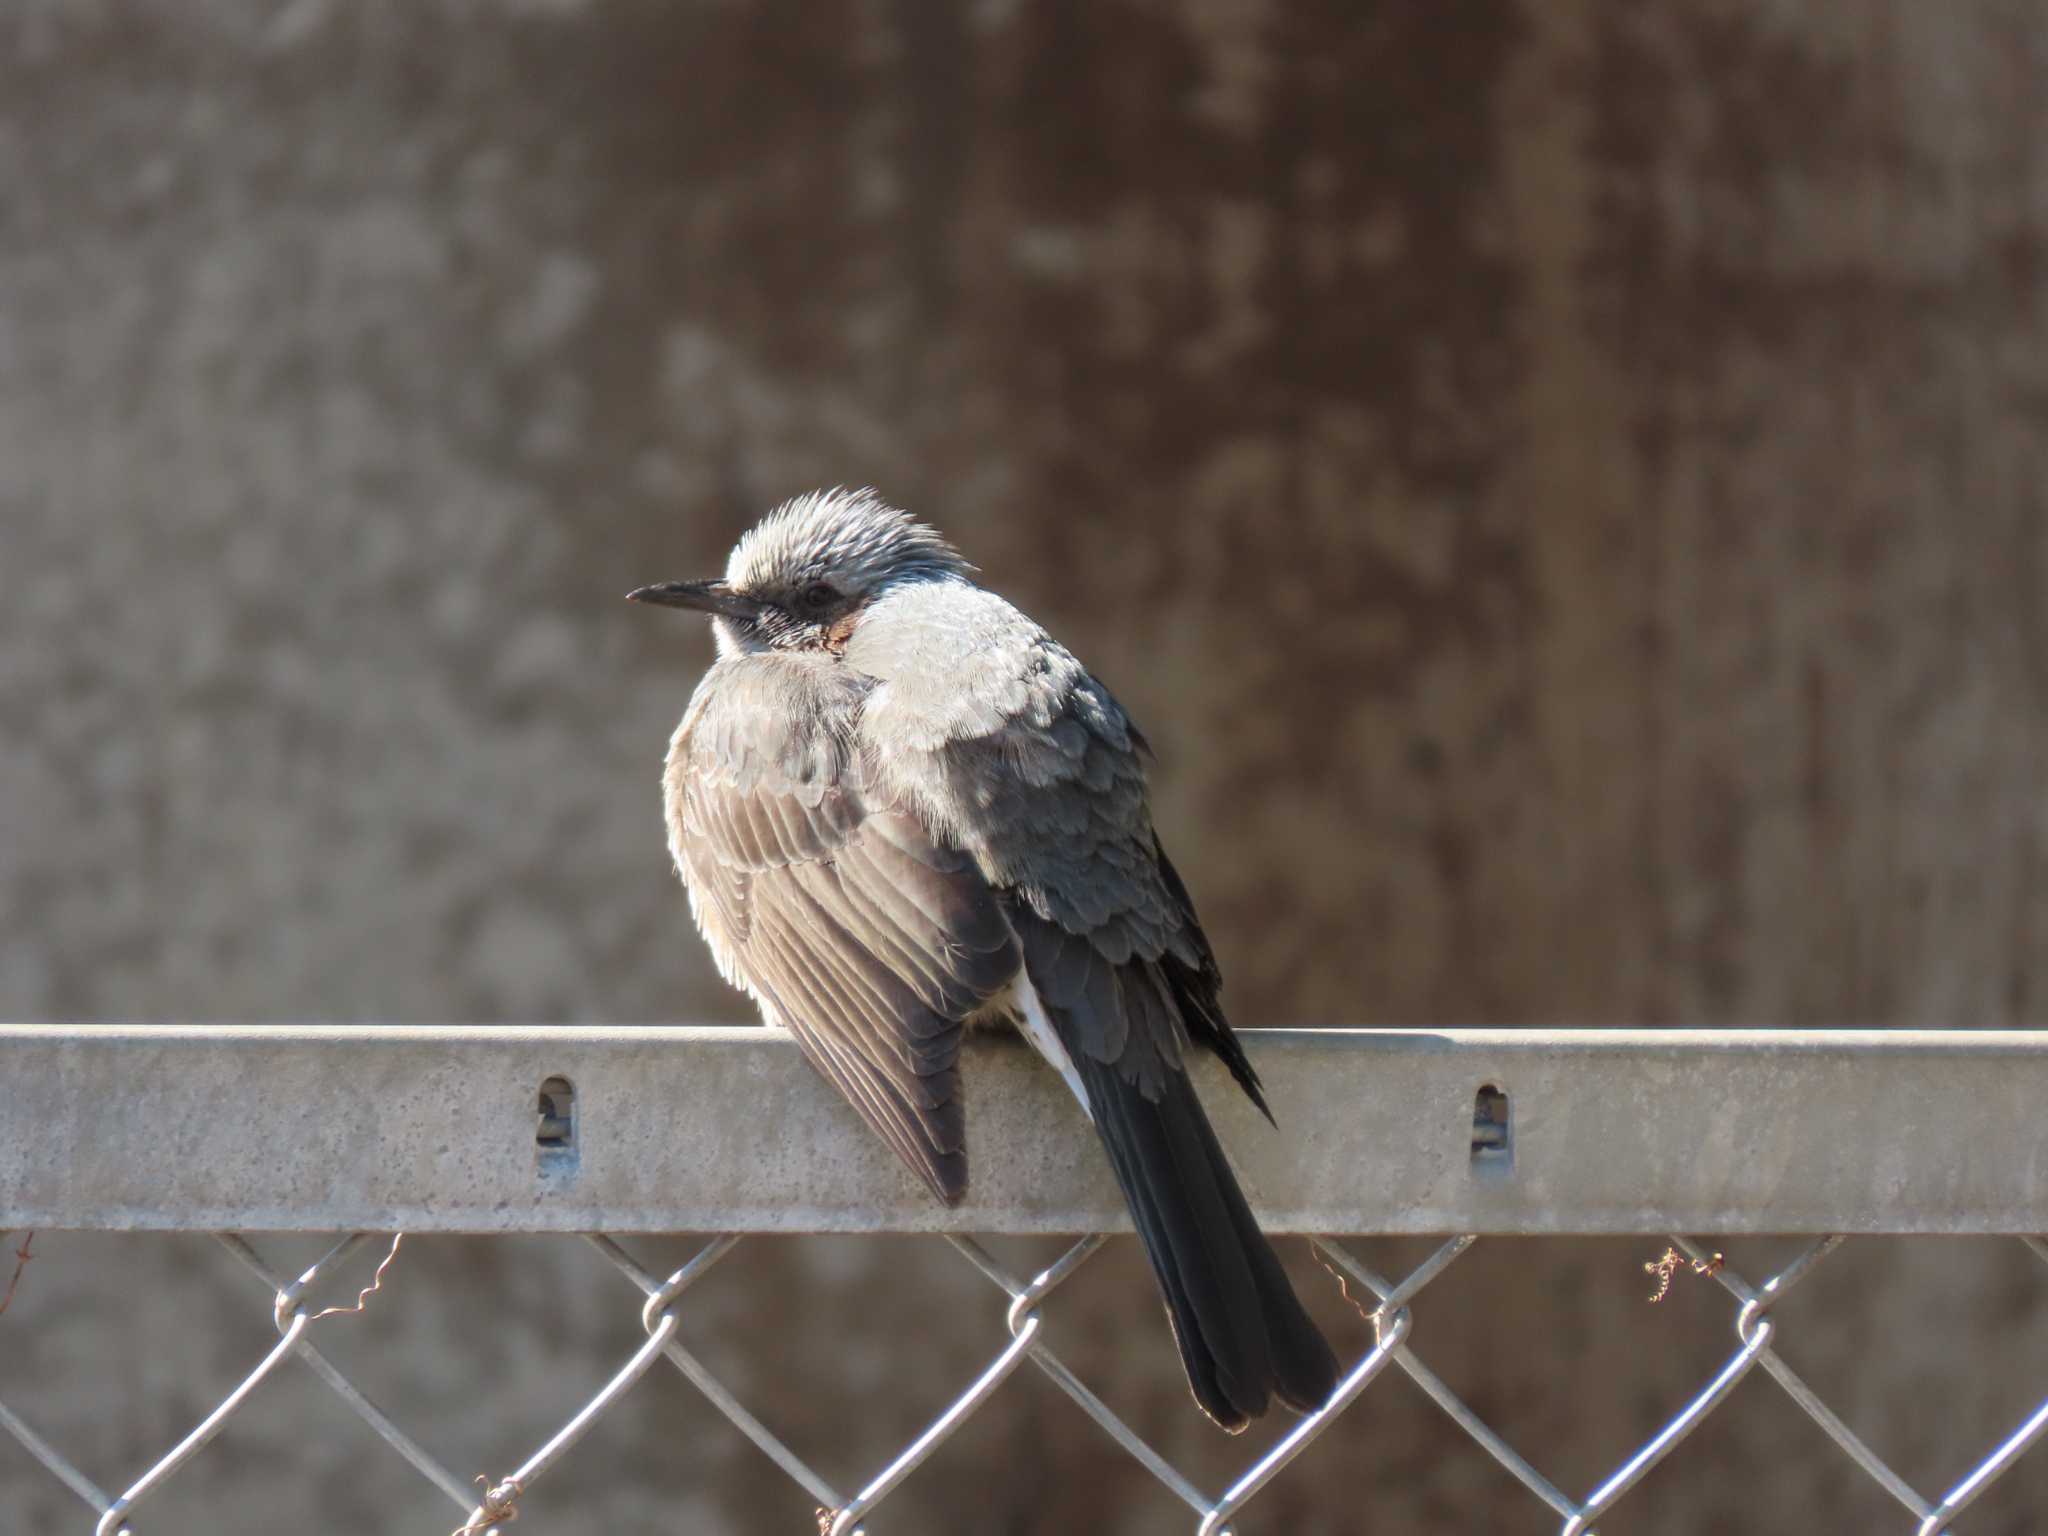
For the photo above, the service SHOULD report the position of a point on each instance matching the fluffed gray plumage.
(900, 807)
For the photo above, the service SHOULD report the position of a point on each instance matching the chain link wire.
(487, 1507)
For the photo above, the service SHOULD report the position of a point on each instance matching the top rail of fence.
(375, 1127)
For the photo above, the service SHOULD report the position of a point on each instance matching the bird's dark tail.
(1243, 1335)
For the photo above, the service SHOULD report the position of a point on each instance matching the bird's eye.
(817, 597)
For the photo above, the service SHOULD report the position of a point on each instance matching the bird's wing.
(1042, 777)
(858, 931)
(1031, 766)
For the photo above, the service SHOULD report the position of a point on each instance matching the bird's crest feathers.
(853, 537)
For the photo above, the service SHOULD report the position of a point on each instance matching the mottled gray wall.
(1561, 484)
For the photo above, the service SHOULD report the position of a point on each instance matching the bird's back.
(1013, 752)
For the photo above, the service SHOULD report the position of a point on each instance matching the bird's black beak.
(704, 596)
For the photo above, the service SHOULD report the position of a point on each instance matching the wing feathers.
(864, 937)
(922, 1124)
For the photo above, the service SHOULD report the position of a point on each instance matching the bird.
(901, 810)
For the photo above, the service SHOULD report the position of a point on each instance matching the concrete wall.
(1561, 484)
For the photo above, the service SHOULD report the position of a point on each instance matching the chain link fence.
(1030, 1327)
(1029, 1332)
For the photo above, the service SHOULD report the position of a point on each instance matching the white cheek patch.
(1037, 1028)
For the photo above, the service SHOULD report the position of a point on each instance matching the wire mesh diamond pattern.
(1028, 1335)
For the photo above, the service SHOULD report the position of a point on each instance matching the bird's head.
(800, 578)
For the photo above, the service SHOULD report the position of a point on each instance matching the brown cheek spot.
(840, 631)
